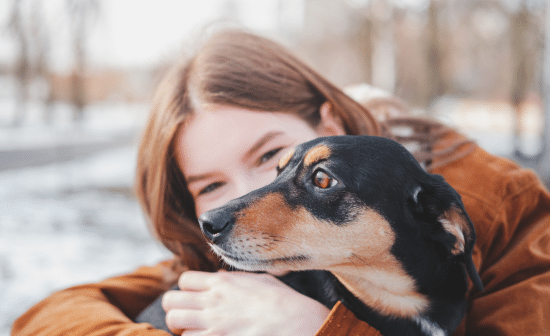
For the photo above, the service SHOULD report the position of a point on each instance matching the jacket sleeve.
(108, 307)
(105, 308)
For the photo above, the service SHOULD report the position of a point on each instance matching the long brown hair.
(236, 68)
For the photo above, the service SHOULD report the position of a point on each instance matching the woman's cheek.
(266, 178)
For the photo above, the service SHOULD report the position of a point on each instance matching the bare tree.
(524, 63)
(363, 41)
(531, 61)
(544, 165)
(41, 41)
(434, 53)
(83, 13)
(22, 66)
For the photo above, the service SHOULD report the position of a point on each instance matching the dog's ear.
(440, 205)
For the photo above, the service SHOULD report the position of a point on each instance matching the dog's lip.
(251, 261)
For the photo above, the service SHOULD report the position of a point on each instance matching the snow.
(69, 223)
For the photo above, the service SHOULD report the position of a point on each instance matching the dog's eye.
(323, 180)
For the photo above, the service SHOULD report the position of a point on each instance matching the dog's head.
(345, 201)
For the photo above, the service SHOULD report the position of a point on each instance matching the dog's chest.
(324, 287)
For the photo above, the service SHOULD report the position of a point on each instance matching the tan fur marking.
(358, 253)
(316, 154)
(267, 215)
(456, 224)
(392, 293)
(285, 158)
(456, 215)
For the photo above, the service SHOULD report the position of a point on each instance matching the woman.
(218, 126)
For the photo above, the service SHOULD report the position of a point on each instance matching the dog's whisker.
(365, 263)
(354, 265)
(272, 238)
(285, 241)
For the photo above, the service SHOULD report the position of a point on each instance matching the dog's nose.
(216, 224)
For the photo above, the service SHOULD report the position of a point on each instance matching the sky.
(134, 33)
(141, 31)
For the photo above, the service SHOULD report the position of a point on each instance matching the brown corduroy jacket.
(509, 207)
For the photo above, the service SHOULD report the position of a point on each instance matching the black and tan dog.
(359, 221)
(397, 238)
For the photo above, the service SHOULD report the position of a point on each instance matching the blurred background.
(77, 76)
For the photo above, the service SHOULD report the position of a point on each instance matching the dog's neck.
(387, 290)
(385, 287)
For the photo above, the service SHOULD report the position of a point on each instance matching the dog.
(357, 220)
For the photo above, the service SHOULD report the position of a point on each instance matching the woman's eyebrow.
(195, 178)
(258, 144)
(253, 149)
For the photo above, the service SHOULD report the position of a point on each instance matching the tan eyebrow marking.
(316, 154)
(285, 158)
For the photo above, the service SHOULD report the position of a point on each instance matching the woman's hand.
(239, 303)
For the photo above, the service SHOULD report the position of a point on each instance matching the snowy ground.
(73, 222)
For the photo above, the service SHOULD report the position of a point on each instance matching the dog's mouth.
(249, 263)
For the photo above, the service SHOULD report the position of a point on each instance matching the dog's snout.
(216, 224)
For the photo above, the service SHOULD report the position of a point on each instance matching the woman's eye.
(323, 180)
(269, 155)
(211, 187)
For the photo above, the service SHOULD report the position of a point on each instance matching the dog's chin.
(260, 265)
(246, 265)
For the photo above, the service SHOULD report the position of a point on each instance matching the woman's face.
(225, 152)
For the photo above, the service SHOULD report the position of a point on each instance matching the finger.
(176, 299)
(195, 281)
(184, 319)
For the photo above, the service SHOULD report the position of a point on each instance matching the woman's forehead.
(224, 135)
